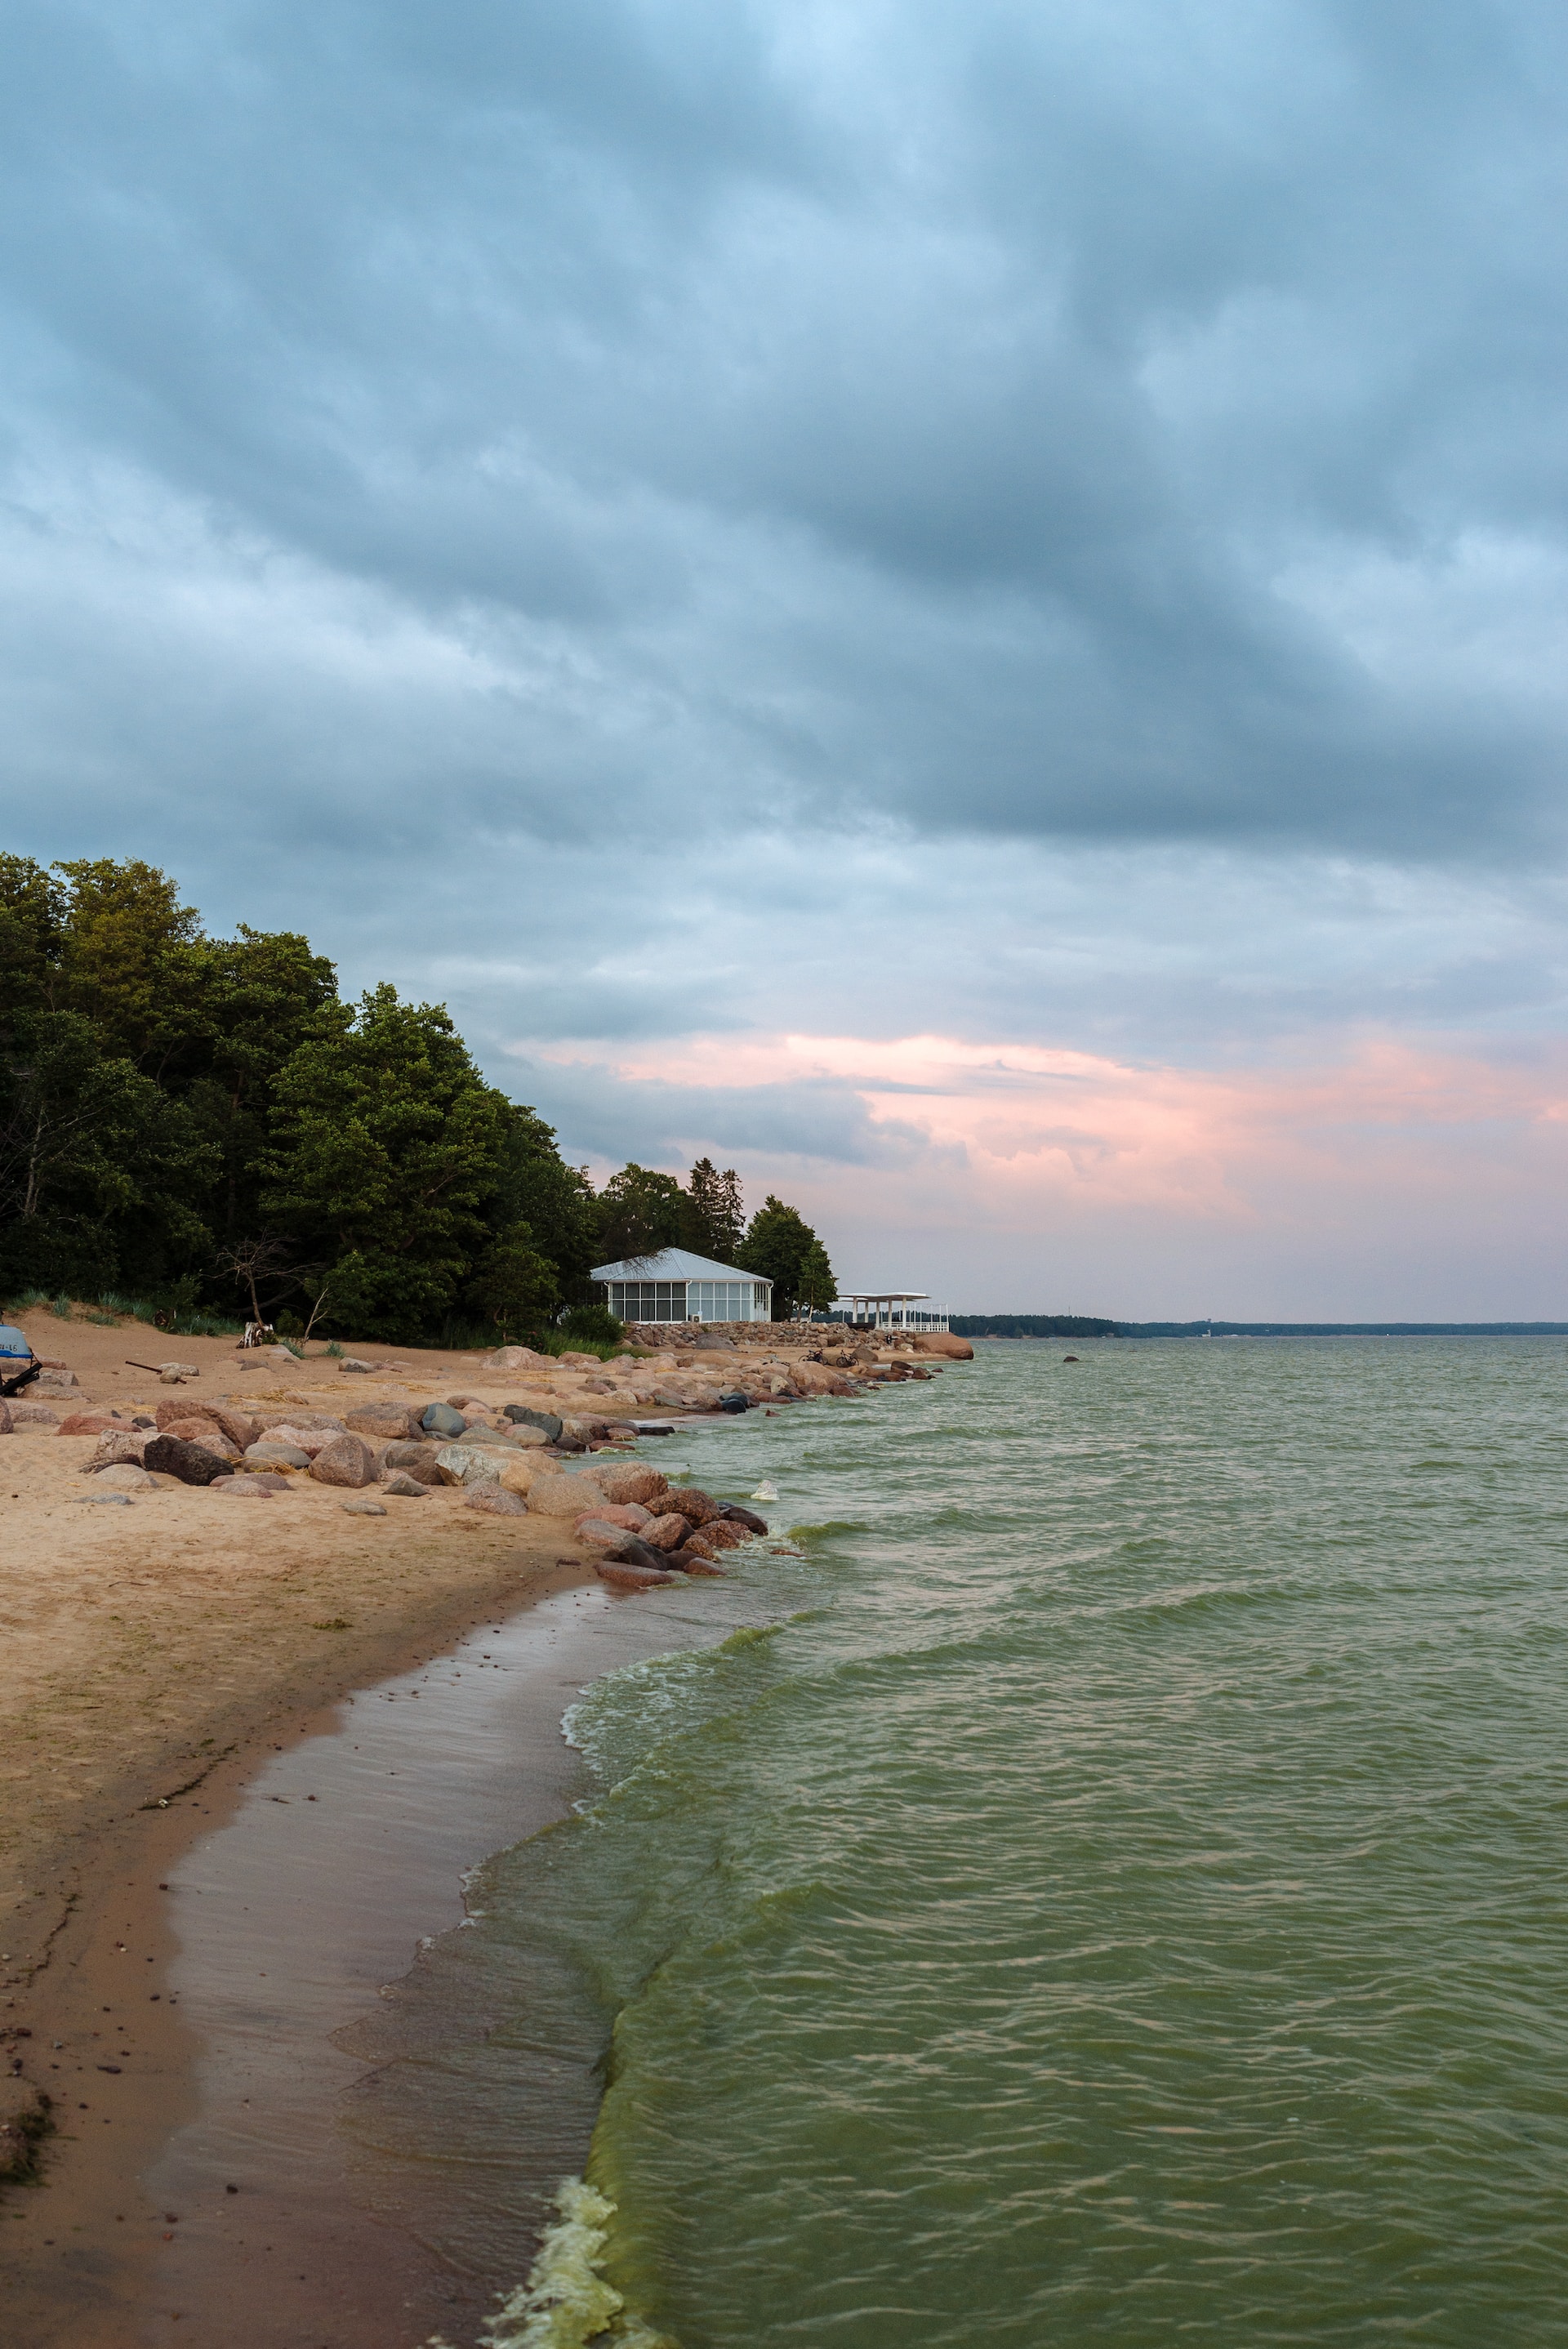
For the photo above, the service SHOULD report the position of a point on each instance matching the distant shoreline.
(1025, 1326)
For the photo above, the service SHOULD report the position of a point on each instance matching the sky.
(960, 605)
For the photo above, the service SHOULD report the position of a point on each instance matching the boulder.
(276, 1458)
(721, 1532)
(357, 1369)
(630, 1518)
(298, 1413)
(736, 1515)
(125, 1477)
(692, 1561)
(630, 1578)
(240, 1428)
(172, 1370)
(596, 1533)
(441, 1419)
(515, 1358)
(346, 1460)
(308, 1440)
(57, 1379)
(942, 1342)
(495, 1501)
(563, 1496)
(697, 1507)
(465, 1464)
(666, 1533)
(521, 1415)
(393, 1420)
(5, 1419)
(364, 1508)
(93, 1422)
(102, 1500)
(631, 1480)
(192, 1464)
(276, 1357)
(524, 1437)
(404, 1487)
(117, 1446)
(203, 1431)
(517, 1475)
(416, 1460)
(250, 1489)
(32, 1414)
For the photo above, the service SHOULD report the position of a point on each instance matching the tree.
(556, 1202)
(778, 1246)
(385, 1144)
(124, 934)
(639, 1214)
(514, 1286)
(32, 927)
(712, 1217)
(816, 1288)
(97, 1167)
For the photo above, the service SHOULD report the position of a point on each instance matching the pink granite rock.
(346, 1460)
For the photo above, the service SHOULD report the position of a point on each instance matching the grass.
(109, 1309)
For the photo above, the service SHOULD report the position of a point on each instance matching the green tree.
(121, 951)
(817, 1289)
(778, 1246)
(712, 1217)
(32, 931)
(556, 1201)
(640, 1214)
(386, 1144)
(513, 1285)
(99, 1168)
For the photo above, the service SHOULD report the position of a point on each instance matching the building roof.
(673, 1264)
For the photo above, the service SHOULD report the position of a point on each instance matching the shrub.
(592, 1325)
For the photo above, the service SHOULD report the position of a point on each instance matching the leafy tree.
(712, 1216)
(97, 1167)
(385, 1143)
(32, 927)
(817, 1289)
(639, 1214)
(556, 1201)
(778, 1246)
(121, 951)
(513, 1285)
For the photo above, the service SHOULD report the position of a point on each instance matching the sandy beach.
(165, 1655)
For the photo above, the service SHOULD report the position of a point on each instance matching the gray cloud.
(803, 411)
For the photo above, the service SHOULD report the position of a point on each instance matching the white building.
(677, 1286)
(888, 1308)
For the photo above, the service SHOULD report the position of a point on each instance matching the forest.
(205, 1127)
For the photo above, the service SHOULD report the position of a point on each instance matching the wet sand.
(232, 2002)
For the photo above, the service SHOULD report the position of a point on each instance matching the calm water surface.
(1127, 1899)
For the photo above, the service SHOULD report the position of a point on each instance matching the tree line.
(206, 1124)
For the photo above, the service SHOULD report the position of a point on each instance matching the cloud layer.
(735, 520)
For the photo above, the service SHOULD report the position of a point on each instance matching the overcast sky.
(959, 604)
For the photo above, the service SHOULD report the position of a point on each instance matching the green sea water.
(1125, 1897)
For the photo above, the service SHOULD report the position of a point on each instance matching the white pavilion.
(675, 1285)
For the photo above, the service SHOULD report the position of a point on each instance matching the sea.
(1107, 1884)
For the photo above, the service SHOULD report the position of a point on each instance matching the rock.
(598, 1534)
(697, 1507)
(250, 1489)
(125, 1477)
(32, 1414)
(352, 1363)
(203, 1431)
(630, 1578)
(364, 1508)
(736, 1403)
(440, 1419)
(118, 1446)
(93, 1422)
(240, 1428)
(271, 1454)
(666, 1533)
(496, 1501)
(311, 1440)
(563, 1496)
(721, 1532)
(466, 1464)
(521, 1415)
(518, 1475)
(5, 1419)
(525, 1436)
(404, 1487)
(515, 1358)
(192, 1464)
(942, 1342)
(416, 1460)
(631, 1480)
(628, 1516)
(179, 1369)
(737, 1515)
(692, 1561)
(112, 1500)
(392, 1420)
(56, 1379)
(346, 1460)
